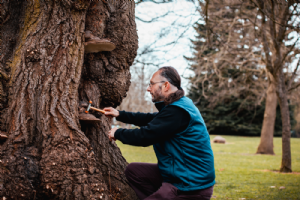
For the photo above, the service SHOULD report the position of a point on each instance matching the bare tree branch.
(153, 19)
(294, 87)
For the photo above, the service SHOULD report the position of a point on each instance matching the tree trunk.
(286, 161)
(267, 131)
(48, 153)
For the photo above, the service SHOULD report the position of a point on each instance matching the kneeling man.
(185, 168)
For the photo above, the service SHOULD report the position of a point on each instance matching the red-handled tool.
(93, 108)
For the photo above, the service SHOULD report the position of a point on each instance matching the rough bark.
(49, 154)
(273, 35)
(105, 81)
(286, 161)
(266, 139)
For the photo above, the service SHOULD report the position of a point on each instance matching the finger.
(107, 109)
(108, 113)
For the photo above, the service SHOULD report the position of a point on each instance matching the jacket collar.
(160, 105)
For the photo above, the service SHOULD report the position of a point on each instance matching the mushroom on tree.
(94, 44)
(88, 118)
(3, 136)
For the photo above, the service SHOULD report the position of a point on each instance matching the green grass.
(239, 172)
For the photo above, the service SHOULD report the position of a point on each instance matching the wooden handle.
(102, 111)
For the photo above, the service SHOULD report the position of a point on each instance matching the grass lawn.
(240, 174)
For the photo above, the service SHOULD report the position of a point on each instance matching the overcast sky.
(176, 27)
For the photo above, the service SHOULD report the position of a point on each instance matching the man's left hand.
(111, 134)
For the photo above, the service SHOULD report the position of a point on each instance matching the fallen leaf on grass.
(214, 197)
(272, 186)
(222, 169)
(281, 187)
(242, 198)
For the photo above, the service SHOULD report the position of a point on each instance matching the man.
(185, 168)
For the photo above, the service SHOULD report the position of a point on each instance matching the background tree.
(253, 32)
(45, 74)
(229, 83)
(276, 21)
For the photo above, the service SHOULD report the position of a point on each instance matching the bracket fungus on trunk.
(84, 117)
(94, 44)
(88, 118)
(3, 136)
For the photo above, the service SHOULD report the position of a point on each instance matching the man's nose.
(148, 88)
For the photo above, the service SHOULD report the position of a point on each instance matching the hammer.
(92, 108)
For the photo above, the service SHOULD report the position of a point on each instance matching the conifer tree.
(229, 83)
(243, 38)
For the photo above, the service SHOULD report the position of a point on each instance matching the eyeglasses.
(151, 84)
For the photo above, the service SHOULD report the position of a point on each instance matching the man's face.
(155, 87)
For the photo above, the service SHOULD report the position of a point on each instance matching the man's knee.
(130, 170)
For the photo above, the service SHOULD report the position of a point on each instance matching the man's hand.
(109, 111)
(111, 134)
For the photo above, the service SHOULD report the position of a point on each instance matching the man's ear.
(167, 86)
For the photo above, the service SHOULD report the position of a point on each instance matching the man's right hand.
(110, 111)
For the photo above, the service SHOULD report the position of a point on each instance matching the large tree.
(276, 21)
(268, 29)
(229, 83)
(45, 73)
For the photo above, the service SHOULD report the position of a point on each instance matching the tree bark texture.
(286, 161)
(273, 35)
(48, 153)
(266, 139)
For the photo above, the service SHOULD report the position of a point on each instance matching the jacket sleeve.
(138, 119)
(169, 121)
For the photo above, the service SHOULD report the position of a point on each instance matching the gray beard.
(157, 97)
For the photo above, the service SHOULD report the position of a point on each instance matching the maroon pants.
(148, 184)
